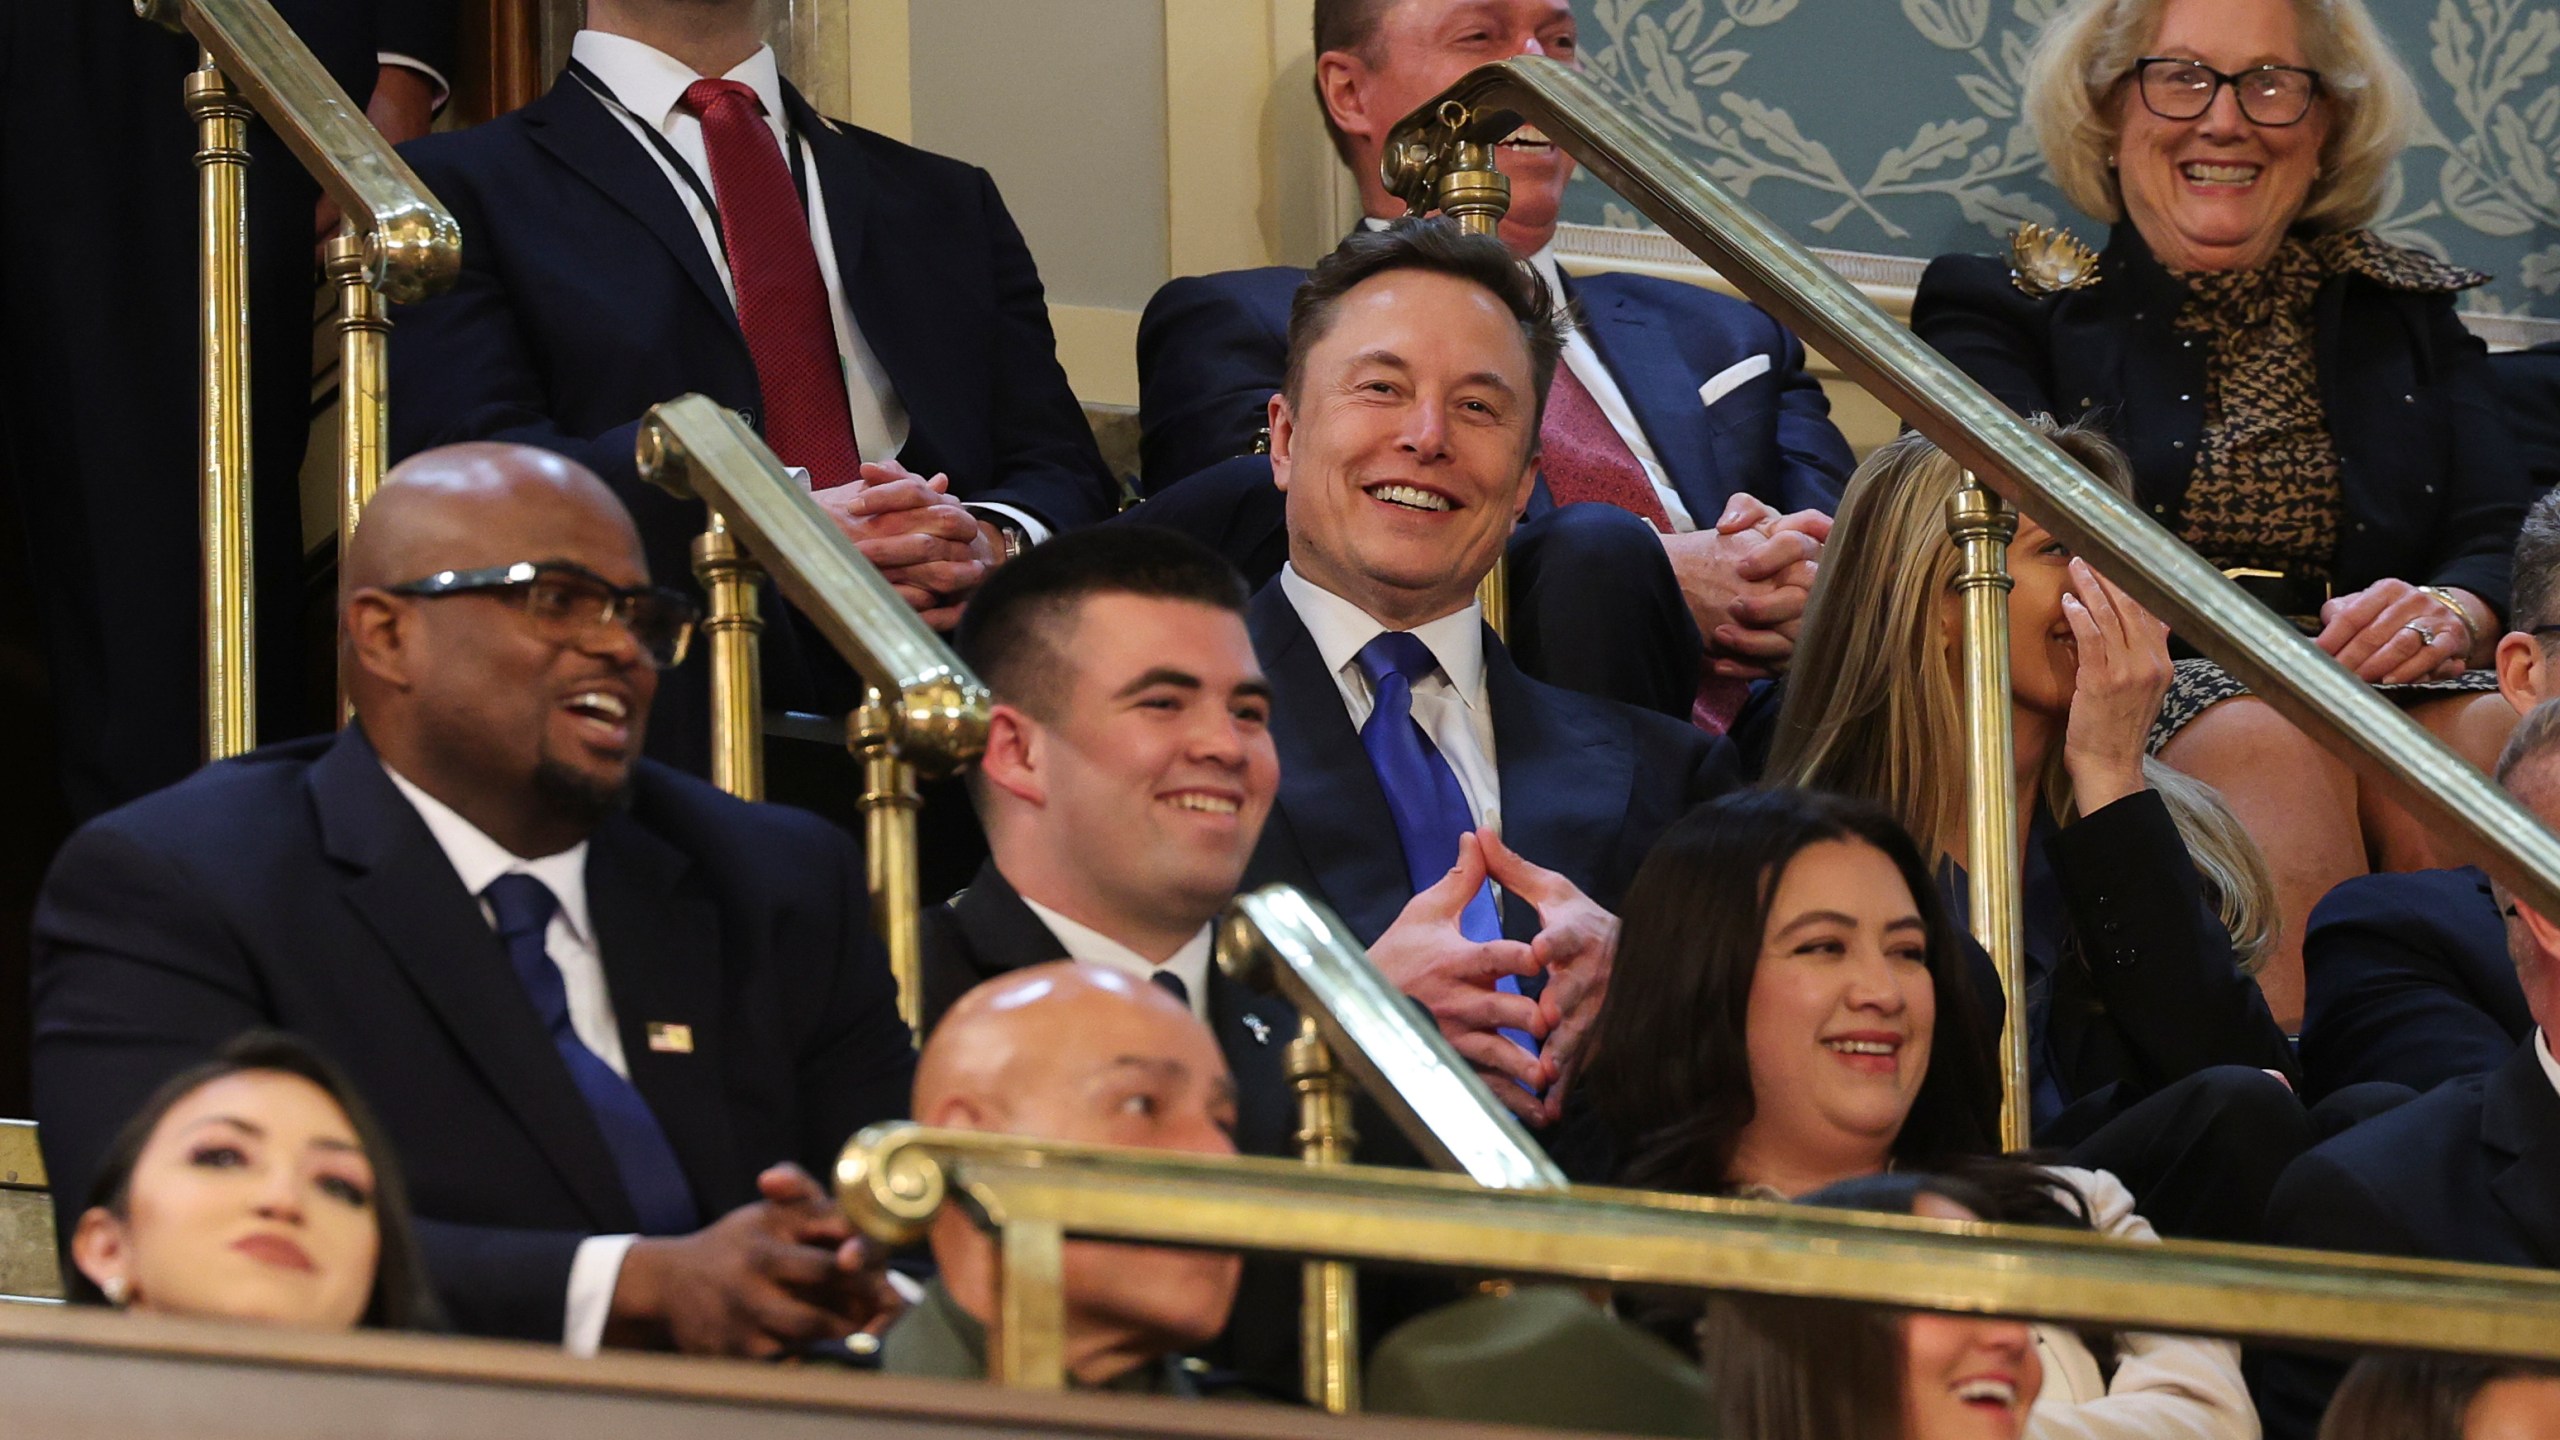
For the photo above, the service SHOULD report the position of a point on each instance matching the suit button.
(748, 414)
(2177, 444)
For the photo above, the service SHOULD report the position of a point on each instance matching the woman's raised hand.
(2124, 672)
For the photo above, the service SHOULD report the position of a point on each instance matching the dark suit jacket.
(2469, 1171)
(1211, 350)
(986, 930)
(296, 887)
(2434, 489)
(2529, 393)
(2145, 989)
(2407, 979)
(1587, 784)
(586, 296)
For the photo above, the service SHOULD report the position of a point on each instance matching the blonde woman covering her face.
(2297, 397)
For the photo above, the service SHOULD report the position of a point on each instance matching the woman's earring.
(113, 1287)
(2111, 162)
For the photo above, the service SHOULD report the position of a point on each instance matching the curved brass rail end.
(889, 1186)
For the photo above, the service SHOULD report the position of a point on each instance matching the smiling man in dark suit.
(672, 217)
(2470, 1170)
(1415, 757)
(1687, 410)
(612, 1019)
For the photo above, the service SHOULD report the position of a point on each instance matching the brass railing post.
(1329, 1317)
(222, 169)
(1028, 1350)
(889, 805)
(730, 630)
(364, 388)
(1980, 527)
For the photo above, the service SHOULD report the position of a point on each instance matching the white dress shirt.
(1587, 367)
(647, 88)
(478, 859)
(1088, 946)
(1450, 706)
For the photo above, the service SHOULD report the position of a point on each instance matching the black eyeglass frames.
(2175, 88)
(568, 603)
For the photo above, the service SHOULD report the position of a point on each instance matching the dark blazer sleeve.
(2319, 1204)
(423, 30)
(2489, 488)
(1046, 461)
(858, 1062)
(1209, 361)
(1814, 458)
(2157, 953)
(464, 368)
(1969, 310)
(2383, 997)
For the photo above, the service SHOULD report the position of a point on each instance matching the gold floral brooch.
(2047, 262)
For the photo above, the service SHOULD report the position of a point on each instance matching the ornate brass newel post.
(1981, 527)
(222, 170)
(889, 806)
(731, 629)
(1329, 1319)
(364, 387)
(1454, 173)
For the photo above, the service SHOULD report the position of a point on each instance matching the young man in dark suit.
(2469, 1171)
(673, 218)
(2406, 975)
(1687, 410)
(1406, 440)
(612, 1019)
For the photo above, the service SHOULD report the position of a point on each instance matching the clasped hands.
(929, 547)
(1425, 955)
(1747, 582)
(2392, 632)
(762, 1281)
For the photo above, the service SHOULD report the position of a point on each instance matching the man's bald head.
(500, 697)
(1077, 1052)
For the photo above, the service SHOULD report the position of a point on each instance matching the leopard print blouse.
(2265, 490)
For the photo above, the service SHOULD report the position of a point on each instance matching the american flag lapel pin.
(668, 1038)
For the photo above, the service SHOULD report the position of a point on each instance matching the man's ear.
(2520, 670)
(1528, 483)
(1013, 759)
(1284, 437)
(99, 1248)
(1342, 87)
(2546, 935)
(379, 636)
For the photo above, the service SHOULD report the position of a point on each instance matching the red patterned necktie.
(1585, 458)
(782, 297)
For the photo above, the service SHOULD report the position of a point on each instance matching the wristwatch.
(1016, 540)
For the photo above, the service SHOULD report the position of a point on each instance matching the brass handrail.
(395, 243)
(1346, 1009)
(892, 1179)
(2265, 653)
(927, 713)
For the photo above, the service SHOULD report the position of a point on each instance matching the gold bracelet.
(2470, 632)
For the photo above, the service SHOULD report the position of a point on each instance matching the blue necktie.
(1430, 810)
(651, 1175)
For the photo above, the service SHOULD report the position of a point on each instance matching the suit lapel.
(1644, 357)
(1254, 1031)
(1567, 769)
(584, 136)
(399, 882)
(2520, 1118)
(658, 935)
(1330, 798)
(1001, 931)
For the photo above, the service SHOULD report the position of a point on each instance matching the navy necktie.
(1172, 985)
(651, 1175)
(1429, 809)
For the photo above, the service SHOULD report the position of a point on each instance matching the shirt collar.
(1088, 946)
(1341, 628)
(2542, 1052)
(650, 83)
(479, 859)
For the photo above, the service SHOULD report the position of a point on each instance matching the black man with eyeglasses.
(613, 1019)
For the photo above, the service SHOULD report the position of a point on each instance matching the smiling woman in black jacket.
(2297, 396)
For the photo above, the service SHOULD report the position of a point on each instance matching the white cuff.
(444, 90)
(1032, 530)
(592, 1278)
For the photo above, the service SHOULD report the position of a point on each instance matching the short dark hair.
(1669, 1069)
(1438, 247)
(2536, 570)
(403, 1298)
(1010, 632)
(1350, 26)
(2417, 1397)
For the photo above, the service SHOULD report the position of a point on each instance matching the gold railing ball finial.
(941, 724)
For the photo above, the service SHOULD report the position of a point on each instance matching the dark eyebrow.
(1256, 688)
(1907, 922)
(349, 1147)
(1487, 377)
(1160, 675)
(1155, 1066)
(232, 1120)
(1388, 358)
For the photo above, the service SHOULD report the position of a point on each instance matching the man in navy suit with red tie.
(671, 218)
(1686, 409)
(613, 1020)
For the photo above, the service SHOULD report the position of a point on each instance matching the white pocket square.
(1729, 379)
